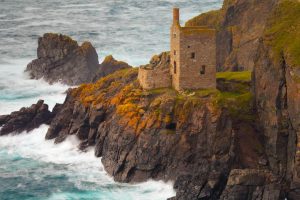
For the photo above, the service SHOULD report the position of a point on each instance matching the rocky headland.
(240, 141)
(61, 59)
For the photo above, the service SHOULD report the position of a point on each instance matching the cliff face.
(240, 24)
(277, 88)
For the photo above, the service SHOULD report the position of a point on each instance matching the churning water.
(130, 30)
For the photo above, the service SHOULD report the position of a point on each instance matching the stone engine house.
(191, 63)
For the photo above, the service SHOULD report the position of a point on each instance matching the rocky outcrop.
(161, 134)
(61, 59)
(240, 24)
(27, 119)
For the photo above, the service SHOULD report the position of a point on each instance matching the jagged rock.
(61, 59)
(108, 66)
(26, 119)
(252, 184)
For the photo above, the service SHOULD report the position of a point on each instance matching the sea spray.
(34, 167)
(17, 90)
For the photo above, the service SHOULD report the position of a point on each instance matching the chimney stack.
(176, 16)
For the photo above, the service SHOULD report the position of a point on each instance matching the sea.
(32, 168)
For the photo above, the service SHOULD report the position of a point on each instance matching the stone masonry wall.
(201, 43)
(154, 78)
(156, 74)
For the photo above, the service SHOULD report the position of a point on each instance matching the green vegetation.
(159, 91)
(239, 105)
(97, 93)
(244, 76)
(210, 19)
(283, 33)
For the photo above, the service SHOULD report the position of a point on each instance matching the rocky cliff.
(61, 59)
(238, 142)
(240, 24)
(193, 138)
(277, 92)
(160, 134)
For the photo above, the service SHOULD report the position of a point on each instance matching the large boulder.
(61, 59)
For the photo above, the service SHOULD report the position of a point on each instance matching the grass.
(239, 105)
(244, 76)
(159, 91)
(210, 19)
(283, 34)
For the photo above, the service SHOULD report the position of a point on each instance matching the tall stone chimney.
(176, 16)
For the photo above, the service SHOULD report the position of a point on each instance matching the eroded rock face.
(27, 119)
(240, 24)
(252, 184)
(277, 101)
(61, 59)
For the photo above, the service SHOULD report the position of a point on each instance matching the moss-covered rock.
(283, 31)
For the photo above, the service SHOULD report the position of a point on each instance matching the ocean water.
(130, 30)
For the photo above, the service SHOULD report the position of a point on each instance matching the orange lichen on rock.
(161, 108)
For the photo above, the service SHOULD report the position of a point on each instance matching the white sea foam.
(17, 90)
(81, 168)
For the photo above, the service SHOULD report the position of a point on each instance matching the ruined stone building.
(191, 63)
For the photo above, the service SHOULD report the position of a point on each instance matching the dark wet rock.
(26, 119)
(4, 119)
(61, 59)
